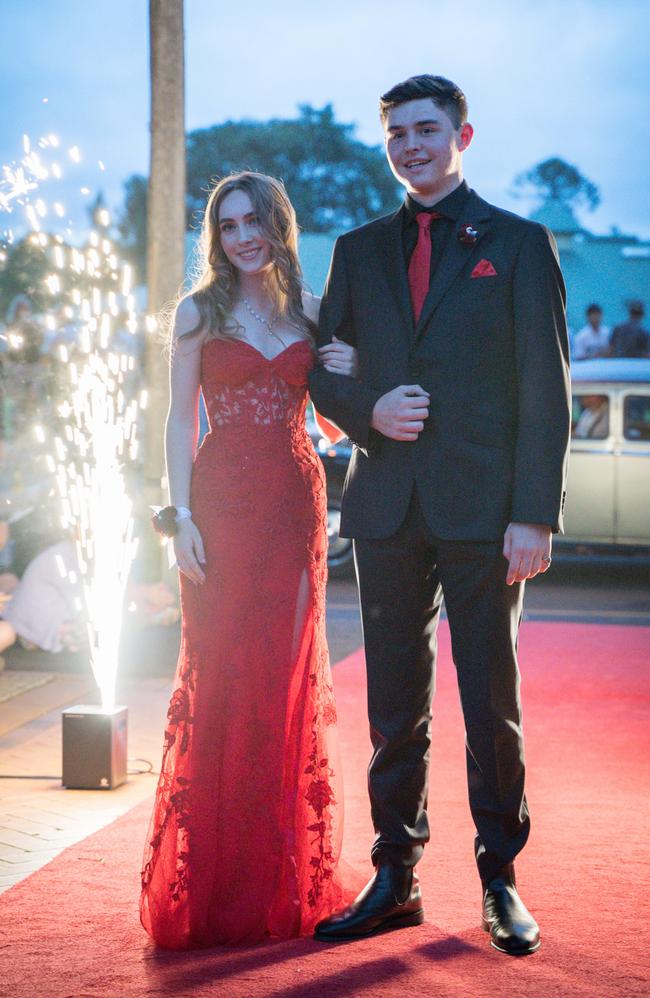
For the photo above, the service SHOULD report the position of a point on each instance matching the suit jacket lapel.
(476, 213)
(395, 267)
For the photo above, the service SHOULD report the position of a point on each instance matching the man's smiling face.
(424, 148)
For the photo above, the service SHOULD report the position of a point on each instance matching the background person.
(593, 339)
(631, 339)
(593, 421)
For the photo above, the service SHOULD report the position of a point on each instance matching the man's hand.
(400, 414)
(527, 547)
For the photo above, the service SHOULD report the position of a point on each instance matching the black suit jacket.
(493, 353)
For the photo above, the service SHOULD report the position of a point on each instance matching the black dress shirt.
(451, 207)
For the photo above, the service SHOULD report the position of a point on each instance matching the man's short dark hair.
(445, 94)
(636, 308)
(594, 307)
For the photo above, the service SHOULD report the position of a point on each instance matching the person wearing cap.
(631, 338)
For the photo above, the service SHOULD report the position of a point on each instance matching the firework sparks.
(100, 511)
(96, 430)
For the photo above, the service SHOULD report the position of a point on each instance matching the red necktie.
(420, 265)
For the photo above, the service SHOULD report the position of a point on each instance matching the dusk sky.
(546, 78)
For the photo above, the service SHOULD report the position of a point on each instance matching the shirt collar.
(450, 206)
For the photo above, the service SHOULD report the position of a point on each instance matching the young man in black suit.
(461, 421)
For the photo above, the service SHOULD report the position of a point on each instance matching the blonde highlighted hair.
(215, 289)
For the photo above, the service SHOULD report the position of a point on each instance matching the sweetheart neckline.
(269, 360)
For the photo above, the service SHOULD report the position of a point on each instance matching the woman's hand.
(340, 358)
(188, 548)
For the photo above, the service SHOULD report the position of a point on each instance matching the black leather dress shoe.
(392, 900)
(512, 928)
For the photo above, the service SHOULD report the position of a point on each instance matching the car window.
(636, 417)
(590, 417)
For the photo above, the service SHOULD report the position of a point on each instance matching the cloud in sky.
(549, 77)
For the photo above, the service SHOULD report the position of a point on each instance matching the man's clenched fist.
(400, 414)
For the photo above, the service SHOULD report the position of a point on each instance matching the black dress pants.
(402, 579)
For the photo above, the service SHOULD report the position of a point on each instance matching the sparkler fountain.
(95, 433)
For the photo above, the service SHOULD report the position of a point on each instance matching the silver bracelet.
(183, 513)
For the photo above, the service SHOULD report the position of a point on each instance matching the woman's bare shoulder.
(311, 305)
(186, 317)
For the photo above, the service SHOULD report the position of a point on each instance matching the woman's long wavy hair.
(216, 287)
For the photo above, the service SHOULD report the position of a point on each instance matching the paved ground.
(39, 818)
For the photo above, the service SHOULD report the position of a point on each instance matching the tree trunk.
(165, 217)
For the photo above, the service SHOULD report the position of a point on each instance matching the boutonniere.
(467, 234)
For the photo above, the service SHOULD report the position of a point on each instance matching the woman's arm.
(347, 400)
(337, 357)
(181, 428)
(181, 433)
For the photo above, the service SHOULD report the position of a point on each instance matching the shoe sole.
(399, 922)
(511, 952)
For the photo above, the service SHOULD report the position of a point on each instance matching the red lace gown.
(245, 835)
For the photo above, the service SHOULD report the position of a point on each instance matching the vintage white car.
(608, 493)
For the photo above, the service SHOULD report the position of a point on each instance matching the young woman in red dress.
(245, 835)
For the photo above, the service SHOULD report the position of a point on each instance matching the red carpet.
(71, 929)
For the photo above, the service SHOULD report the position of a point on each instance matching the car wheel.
(340, 558)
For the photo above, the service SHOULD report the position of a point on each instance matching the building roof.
(558, 217)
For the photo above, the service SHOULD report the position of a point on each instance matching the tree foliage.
(23, 272)
(556, 180)
(26, 265)
(334, 180)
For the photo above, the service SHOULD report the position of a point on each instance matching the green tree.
(26, 264)
(23, 272)
(334, 180)
(556, 180)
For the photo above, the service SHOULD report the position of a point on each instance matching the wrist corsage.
(165, 519)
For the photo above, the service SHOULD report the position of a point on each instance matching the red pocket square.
(483, 269)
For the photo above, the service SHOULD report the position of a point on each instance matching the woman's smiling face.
(242, 239)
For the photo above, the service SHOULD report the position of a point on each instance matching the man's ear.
(466, 134)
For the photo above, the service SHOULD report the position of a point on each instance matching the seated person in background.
(8, 582)
(631, 339)
(44, 608)
(593, 421)
(593, 339)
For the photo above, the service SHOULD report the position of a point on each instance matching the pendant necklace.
(260, 318)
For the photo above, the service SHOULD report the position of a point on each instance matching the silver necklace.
(269, 323)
